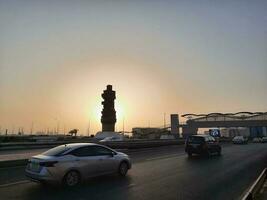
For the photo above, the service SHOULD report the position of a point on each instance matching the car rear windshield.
(195, 140)
(57, 151)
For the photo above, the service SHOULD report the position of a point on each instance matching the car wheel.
(72, 178)
(123, 169)
(189, 154)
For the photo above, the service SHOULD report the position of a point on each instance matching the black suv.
(202, 144)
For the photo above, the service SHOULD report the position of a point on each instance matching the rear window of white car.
(91, 151)
(57, 151)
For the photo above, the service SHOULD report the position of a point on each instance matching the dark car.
(202, 144)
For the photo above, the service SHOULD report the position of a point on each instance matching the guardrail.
(142, 144)
(127, 144)
(255, 188)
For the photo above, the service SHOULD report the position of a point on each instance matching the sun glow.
(119, 110)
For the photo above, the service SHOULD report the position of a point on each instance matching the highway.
(157, 173)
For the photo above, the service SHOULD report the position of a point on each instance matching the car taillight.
(48, 163)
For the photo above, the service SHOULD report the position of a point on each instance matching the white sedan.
(257, 140)
(264, 139)
(112, 139)
(240, 140)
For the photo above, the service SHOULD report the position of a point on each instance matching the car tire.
(123, 169)
(189, 154)
(72, 178)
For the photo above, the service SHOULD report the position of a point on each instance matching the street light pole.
(88, 131)
(32, 128)
(164, 120)
(123, 126)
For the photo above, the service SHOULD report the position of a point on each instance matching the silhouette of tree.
(73, 132)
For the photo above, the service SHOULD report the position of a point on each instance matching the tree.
(73, 132)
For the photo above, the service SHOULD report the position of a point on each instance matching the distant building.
(232, 132)
(148, 133)
(101, 135)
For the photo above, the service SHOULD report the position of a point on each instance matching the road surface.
(158, 173)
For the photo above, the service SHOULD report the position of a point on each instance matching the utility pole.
(123, 126)
(58, 126)
(88, 130)
(32, 128)
(164, 120)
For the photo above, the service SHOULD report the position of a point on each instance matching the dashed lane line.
(164, 157)
(14, 183)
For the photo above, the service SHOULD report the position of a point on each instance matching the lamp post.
(164, 120)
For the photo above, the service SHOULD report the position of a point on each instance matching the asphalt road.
(158, 173)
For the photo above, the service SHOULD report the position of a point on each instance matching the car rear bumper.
(195, 150)
(39, 177)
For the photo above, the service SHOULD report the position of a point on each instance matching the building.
(148, 133)
(235, 123)
(101, 135)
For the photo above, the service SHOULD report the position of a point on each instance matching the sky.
(191, 56)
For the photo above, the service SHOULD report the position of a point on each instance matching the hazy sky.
(198, 56)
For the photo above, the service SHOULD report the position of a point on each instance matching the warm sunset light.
(120, 111)
(169, 59)
(154, 96)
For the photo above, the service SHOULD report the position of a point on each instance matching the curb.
(256, 186)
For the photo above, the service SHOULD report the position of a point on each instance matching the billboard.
(215, 132)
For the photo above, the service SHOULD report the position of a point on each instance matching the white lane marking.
(165, 157)
(14, 183)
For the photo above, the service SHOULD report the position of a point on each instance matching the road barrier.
(256, 187)
(127, 144)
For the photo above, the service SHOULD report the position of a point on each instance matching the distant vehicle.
(202, 144)
(264, 139)
(110, 139)
(240, 140)
(72, 163)
(257, 140)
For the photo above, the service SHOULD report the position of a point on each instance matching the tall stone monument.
(108, 118)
